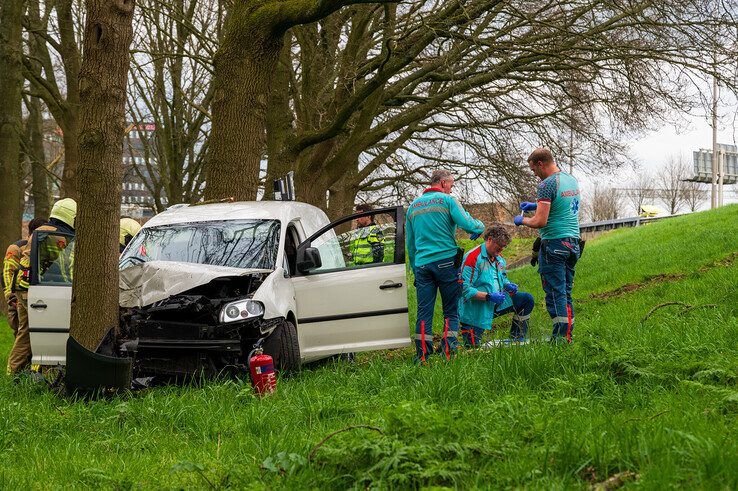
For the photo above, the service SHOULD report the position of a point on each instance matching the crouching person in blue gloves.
(487, 293)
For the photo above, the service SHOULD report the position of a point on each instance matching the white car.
(200, 284)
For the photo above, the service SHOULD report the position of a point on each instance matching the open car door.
(50, 296)
(351, 285)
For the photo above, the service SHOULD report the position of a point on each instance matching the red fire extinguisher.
(261, 367)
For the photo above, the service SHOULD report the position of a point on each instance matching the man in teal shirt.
(487, 293)
(430, 236)
(557, 217)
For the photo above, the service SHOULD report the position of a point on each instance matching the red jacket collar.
(433, 190)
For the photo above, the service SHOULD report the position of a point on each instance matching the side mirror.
(308, 259)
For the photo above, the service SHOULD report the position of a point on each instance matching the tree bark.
(243, 70)
(342, 198)
(37, 158)
(279, 123)
(11, 83)
(107, 37)
(70, 137)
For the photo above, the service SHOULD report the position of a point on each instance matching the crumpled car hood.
(146, 283)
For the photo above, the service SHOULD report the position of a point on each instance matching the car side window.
(290, 249)
(363, 242)
(53, 259)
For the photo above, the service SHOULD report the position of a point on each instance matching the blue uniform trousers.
(429, 279)
(556, 262)
(522, 306)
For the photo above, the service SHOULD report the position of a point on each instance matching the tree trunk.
(70, 129)
(279, 123)
(107, 37)
(243, 70)
(72, 73)
(11, 83)
(312, 190)
(34, 126)
(37, 157)
(342, 200)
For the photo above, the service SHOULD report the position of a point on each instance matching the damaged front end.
(201, 331)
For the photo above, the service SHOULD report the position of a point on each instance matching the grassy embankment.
(657, 398)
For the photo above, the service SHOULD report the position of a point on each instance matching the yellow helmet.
(128, 228)
(65, 210)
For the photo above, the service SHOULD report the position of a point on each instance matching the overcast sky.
(693, 133)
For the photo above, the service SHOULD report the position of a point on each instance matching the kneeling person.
(487, 292)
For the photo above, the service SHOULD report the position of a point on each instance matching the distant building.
(138, 148)
(137, 201)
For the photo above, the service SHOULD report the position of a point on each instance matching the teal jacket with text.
(430, 227)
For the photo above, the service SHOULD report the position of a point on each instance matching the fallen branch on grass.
(348, 428)
(686, 308)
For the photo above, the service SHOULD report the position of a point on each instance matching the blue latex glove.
(496, 298)
(518, 220)
(511, 288)
(475, 236)
(528, 206)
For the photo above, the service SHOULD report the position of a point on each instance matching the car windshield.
(234, 243)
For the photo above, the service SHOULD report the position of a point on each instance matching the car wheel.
(283, 347)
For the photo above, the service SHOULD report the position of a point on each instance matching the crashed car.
(201, 284)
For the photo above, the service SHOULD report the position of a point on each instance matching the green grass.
(658, 398)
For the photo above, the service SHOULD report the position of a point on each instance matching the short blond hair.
(440, 175)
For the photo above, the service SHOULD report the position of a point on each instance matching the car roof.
(285, 211)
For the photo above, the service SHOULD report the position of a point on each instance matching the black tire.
(282, 345)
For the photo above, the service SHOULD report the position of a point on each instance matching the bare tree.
(33, 143)
(693, 194)
(369, 87)
(107, 37)
(671, 183)
(603, 204)
(171, 88)
(642, 190)
(54, 27)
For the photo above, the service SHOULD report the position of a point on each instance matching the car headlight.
(240, 310)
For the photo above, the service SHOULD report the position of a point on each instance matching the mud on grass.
(631, 287)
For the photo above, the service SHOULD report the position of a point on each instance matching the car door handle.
(39, 305)
(387, 286)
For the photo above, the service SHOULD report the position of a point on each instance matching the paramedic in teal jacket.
(430, 235)
(487, 293)
(557, 217)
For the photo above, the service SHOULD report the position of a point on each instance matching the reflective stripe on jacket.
(430, 227)
(366, 245)
(11, 263)
(482, 274)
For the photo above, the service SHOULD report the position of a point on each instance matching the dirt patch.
(631, 287)
(724, 262)
(614, 482)
(519, 263)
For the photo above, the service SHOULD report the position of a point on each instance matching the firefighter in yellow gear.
(53, 260)
(366, 245)
(11, 265)
(128, 229)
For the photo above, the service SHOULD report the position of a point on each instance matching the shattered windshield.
(234, 243)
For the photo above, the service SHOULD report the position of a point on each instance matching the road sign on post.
(703, 162)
